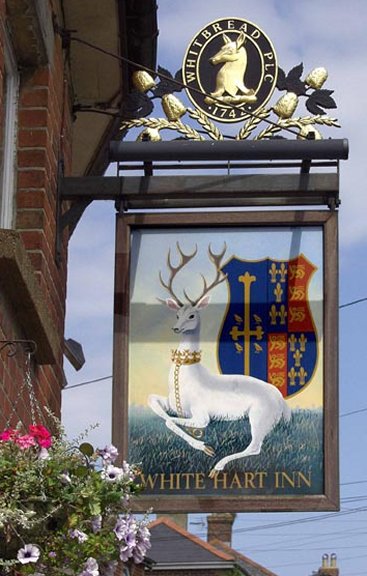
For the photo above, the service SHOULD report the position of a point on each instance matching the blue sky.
(317, 33)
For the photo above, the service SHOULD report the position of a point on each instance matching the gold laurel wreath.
(296, 123)
(209, 126)
(246, 130)
(161, 124)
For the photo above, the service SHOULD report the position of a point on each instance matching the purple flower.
(81, 536)
(125, 553)
(96, 523)
(120, 529)
(129, 473)
(112, 473)
(138, 555)
(125, 529)
(143, 543)
(90, 568)
(29, 553)
(144, 536)
(109, 454)
(134, 538)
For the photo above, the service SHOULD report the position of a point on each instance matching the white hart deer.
(196, 396)
(230, 77)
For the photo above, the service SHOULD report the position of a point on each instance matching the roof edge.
(209, 547)
(238, 556)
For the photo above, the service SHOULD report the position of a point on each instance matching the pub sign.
(225, 359)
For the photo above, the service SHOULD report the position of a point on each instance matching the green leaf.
(81, 471)
(95, 508)
(86, 449)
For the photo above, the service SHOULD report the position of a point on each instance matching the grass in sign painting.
(293, 446)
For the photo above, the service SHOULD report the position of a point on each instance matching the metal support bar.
(151, 192)
(183, 166)
(274, 149)
(204, 191)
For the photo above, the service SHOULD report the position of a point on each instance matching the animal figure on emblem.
(196, 396)
(230, 77)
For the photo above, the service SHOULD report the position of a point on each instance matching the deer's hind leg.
(261, 424)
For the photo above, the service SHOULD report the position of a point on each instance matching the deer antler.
(219, 278)
(184, 259)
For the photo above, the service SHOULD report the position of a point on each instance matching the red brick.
(34, 98)
(32, 137)
(37, 259)
(29, 118)
(31, 157)
(30, 199)
(31, 178)
(30, 219)
(40, 78)
(33, 240)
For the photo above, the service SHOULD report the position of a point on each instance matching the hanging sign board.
(225, 359)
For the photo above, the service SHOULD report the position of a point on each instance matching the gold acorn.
(151, 134)
(143, 81)
(173, 107)
(309, 132)
(317, 77)
(286, 105)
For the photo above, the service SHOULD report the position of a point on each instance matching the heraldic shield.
(268, 331)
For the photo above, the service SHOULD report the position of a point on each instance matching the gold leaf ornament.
(309, 132)
(286, 105)
(173, 107)
(143, 81)
(151, 134)
(317, 77)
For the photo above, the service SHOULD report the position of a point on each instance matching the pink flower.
(41, 434)
(9, 434)
(25, 441)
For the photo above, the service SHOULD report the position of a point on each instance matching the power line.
(88, 382)
(66, 33)
(286, 523)
(356, 482)
(108, 377)
(352, 303)
(353, 412)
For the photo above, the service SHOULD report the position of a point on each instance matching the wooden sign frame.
(273, 488)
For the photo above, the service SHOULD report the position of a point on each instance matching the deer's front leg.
(159, 405)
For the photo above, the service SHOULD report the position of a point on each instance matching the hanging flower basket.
(64, 508)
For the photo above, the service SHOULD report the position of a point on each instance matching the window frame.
(7, 208)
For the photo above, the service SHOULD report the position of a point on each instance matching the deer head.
(188, 318)
(230, 49)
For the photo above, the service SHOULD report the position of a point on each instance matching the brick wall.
(43, 145)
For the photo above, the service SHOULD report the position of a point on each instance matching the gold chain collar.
(180, 357)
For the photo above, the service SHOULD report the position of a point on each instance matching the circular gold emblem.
(230, 69)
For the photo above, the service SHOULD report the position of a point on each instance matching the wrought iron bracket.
(12, 346)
